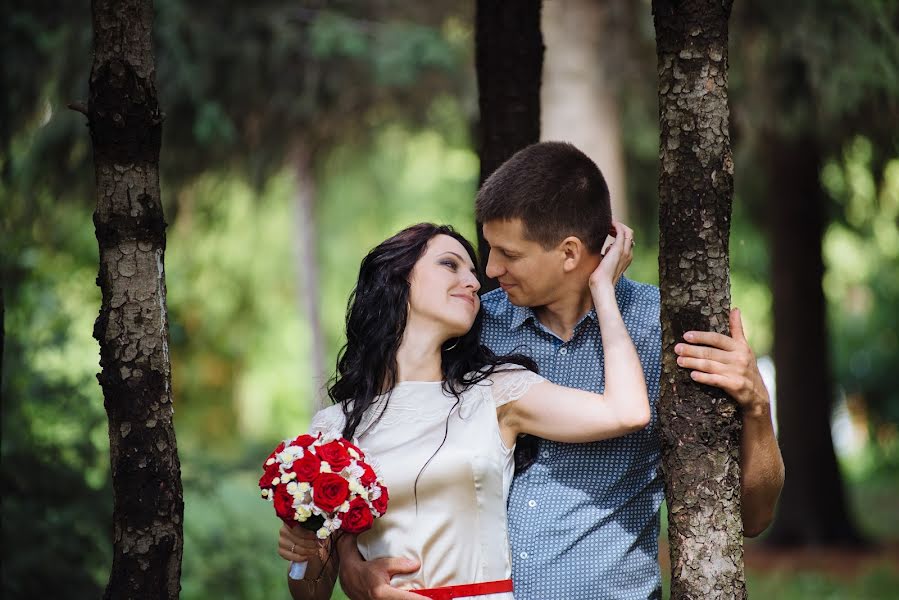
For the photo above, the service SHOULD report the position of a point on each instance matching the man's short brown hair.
(556, 191)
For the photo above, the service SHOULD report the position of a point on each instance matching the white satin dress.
(457, 529)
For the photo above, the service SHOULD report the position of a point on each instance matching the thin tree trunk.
(812, 508)
(578, 101)
(509, 60)
(700, 426)
(308, 288)
(132, 328)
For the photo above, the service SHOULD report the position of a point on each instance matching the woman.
(442, 414)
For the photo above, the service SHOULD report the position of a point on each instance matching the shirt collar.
(520, 314)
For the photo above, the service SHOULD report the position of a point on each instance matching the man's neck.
(561, 316)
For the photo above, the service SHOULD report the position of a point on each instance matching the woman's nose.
(472, 282)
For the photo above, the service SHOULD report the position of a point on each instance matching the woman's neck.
(419, 357)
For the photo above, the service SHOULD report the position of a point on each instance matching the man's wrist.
(759, 409)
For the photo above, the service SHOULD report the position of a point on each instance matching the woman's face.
(444, 288)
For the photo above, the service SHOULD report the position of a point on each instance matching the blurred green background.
(300, 134)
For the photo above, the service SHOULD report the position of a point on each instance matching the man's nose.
(493, 269)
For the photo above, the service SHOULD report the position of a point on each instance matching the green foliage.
(238, 343)
(240, 85)
(861, 253)
(230, 540)
(56, 492)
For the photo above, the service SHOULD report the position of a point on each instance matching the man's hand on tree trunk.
(726, 362)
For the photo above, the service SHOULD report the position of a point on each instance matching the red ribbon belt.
(470, 589)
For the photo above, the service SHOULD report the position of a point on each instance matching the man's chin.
(515, 296)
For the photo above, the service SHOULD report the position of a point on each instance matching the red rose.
(368, 475)
(358, 518)
(354, 447)
(380, 504)
(270, 473)
(334, 454)
(284, 504)
(330, 491)
(278, 449)
(303, 441)
(307, 468)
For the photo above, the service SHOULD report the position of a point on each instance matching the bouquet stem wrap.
(297, 570)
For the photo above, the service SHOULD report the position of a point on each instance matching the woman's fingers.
(625, 237)
(617, 258)
(297, 544)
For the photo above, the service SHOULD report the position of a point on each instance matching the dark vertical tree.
(700, 426)
(126, 130)
(509, 62)
(812, 508)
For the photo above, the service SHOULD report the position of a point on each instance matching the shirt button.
(532, 503)
(563, 350)
(523, 555)
(546, 454)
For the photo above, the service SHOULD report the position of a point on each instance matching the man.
(583, 518)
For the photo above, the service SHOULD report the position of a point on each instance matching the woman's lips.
(466, 297)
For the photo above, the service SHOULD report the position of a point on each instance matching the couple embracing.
(517, 431)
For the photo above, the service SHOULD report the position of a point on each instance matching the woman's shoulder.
(328, 420)
(508, 382)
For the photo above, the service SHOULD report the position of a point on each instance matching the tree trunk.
(126, 126)
(700, 425)
(812, 508)
(509, 60)
(578, 101)
(308, 288)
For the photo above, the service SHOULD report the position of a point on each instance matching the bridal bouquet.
(324, 484)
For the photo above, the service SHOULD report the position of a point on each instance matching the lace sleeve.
(328, 421)
(509, 383)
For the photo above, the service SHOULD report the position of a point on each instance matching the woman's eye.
(449, 263)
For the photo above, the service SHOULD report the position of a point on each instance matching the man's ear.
(573, 252)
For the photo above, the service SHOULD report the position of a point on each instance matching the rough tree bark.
(579, 101)
(132, 328)
(509, 61)
(700, 426)
(812, 508)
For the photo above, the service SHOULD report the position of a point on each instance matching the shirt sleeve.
(510, 382)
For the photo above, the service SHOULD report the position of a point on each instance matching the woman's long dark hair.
(375, 322)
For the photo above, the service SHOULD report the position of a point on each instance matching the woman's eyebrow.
(459, 256)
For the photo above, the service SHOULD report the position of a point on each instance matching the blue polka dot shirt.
(583, 519)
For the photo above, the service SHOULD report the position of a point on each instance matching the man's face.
(528, 273)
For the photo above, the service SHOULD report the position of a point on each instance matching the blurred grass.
(880, 583)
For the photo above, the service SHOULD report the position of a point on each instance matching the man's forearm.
(761, 468)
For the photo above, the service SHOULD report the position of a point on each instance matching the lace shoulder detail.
(329, 421)
(510, 382)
